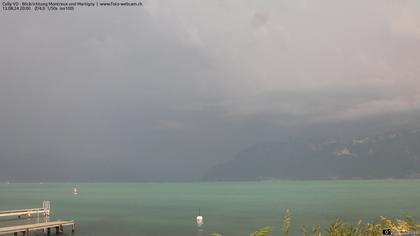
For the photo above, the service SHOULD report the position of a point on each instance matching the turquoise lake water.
(231, 208)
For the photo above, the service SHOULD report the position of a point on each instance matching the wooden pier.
(47, 226)
(26, 212)
(25, 229)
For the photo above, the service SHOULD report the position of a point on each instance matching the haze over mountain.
(165, 91)
(391, 155)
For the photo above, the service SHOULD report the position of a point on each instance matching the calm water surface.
(158, 209)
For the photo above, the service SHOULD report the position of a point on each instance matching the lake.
(229, 208)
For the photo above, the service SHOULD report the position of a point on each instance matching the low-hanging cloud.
(192, 82)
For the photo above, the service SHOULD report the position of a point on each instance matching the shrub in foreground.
(405, 226)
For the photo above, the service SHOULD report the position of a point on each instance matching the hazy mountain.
(391, 155)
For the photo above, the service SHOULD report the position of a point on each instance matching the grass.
(405, 226)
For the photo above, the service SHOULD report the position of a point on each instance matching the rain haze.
(165, 91)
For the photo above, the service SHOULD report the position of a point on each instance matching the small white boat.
(75, 191)
(199, 219)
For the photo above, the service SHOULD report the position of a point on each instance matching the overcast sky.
(165, 91)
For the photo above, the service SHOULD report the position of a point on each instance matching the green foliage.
(408, 224)
(304, 230)
(287, 222)
(262, 232)
(340, 228)
(337, 228)
(316, 230)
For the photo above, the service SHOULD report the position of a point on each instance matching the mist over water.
(230, 208)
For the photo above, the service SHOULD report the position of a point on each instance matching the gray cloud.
(173, 87)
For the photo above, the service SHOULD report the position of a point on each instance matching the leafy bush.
(405, 226)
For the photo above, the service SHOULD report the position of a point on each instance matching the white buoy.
(75, 191)
(199, 219)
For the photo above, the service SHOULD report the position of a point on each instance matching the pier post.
(57, 230)
(72, 228)
(48, 231)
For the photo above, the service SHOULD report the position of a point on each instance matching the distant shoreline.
(221, 181)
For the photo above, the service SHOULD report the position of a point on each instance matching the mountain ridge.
(389, 155)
